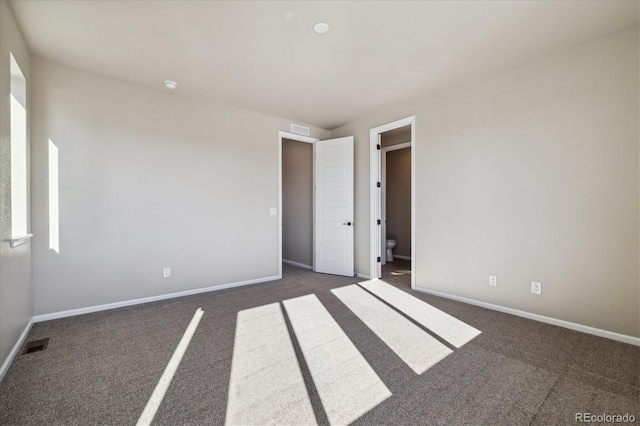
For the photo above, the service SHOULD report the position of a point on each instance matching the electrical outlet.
(166, 272)
(536, 287)
(493, 280)
(273, 211)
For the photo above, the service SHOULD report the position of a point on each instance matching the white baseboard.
(299, 265)
(7, 362)
(80, 311)
(553, 321)
(399, 256)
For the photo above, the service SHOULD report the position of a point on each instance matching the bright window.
(19, 194)
(54, 232)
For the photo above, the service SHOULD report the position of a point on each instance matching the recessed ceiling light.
(170, 84)
(321, 28)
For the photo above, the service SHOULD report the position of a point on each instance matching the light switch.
(273, 211)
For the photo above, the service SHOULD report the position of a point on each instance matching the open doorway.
(392, 233)
(330, 227)
(296, 201)
(396, 204)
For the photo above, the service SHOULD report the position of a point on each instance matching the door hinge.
(378, 184)
(378, 146)
(379, 222)
(379, 259)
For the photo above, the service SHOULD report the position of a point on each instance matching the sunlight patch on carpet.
(347, 385)
(444, 325)
(266, 385)
(160, 390)
(417, 348)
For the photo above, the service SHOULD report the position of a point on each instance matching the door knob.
(346, 223)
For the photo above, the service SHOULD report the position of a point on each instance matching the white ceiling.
(264, 56)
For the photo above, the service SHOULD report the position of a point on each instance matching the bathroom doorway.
(392, 201)
(396, 203)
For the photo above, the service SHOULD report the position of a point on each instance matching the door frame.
(375, 196)
(299, 138)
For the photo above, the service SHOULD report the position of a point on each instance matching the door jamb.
(286, 135)
(375, 237)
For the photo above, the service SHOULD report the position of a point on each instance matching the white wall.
(148, 179)
(530, 174)
(16, 306)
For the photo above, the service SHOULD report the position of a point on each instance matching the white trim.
(280, 136)
(375, 247)
(374, 175)
(90, 309)
(295, 137)
(19, 240)
(299, 265)
(541, 318)
(413, 202)
(397, 146)
(399, 256)
(7, 362)
(383, 207)
(299, 138)
(313, 207)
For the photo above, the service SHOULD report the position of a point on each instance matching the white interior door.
(333, 181)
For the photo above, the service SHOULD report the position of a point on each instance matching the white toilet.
(390, 244)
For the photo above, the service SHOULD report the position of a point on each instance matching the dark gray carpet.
(101, 368)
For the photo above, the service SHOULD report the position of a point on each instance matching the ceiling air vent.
(301, 130)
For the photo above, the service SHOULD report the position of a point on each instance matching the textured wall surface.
(16, 306)
(149, 179)
(531, 175)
